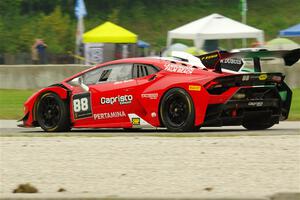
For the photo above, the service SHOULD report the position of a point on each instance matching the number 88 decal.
(82, 105)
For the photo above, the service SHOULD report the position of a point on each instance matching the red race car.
(181, 93)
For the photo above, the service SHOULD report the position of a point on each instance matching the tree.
(57, 31)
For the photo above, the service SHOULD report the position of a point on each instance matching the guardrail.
(39, 76)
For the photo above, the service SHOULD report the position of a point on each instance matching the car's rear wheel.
(52, 113)
(177, 111)
(257, 125)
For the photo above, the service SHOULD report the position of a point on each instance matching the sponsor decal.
(150, 96)
(135, 121)
(194, 87)
(263, 77)
(122, 99)
(109, 115)
(231, 61)
(256, 103)
(209, 57)
(178, 68)
(209, 60)
(232, 64)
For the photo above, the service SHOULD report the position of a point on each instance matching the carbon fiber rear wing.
(213, 60)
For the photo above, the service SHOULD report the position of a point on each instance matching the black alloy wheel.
(177, 111)
(52, 113)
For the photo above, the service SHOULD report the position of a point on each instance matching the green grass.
(295, 107)
(11, 103)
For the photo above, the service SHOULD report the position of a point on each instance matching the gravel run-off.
(153, 166)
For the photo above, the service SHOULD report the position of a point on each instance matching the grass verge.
(295, 107)
(11, 103)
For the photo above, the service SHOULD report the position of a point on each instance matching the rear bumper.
(268, 104)
(236, 112)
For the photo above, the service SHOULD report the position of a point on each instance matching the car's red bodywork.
(145, 94)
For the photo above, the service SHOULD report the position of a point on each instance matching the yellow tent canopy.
(109, 33)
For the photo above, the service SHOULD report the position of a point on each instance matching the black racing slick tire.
(52, 113)
(257, 126)
(177, 112)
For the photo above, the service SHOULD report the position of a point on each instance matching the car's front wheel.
(52, 113)
(177, 111)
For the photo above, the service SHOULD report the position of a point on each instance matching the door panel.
(113, 101)
(111, 96)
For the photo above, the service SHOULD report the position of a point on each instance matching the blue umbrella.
(143, 44)
(293, 31)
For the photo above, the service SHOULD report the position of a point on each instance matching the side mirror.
(79, 82)
(75, 81)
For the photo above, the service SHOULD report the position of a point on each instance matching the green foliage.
(55, 30)
(18, 34)
(114, 16)
(138, 11)
(2, 35)
(9, 8)
(25, 40)
(21, 21)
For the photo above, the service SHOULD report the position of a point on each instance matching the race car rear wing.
(213, 60)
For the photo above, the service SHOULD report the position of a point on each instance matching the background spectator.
(41, 49)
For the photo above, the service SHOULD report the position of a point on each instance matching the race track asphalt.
(9, 128)
(214, 162)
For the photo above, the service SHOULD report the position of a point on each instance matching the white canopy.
(214, 27)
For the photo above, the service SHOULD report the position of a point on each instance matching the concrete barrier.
(35, 76)
(66, 196)
(39, 76)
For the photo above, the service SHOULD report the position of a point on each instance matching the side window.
(151, 69)
(140, 70)
(118, 72)
(92, 77)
